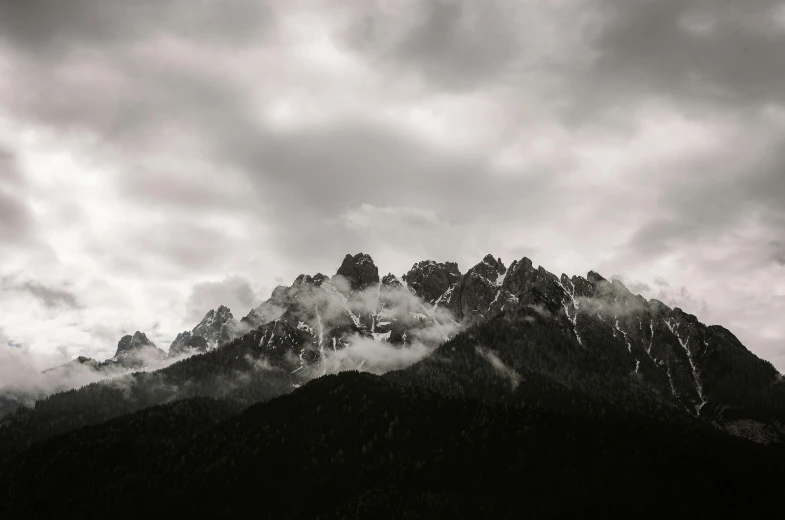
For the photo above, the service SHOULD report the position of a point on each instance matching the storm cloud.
(159, 157)
(49, 296)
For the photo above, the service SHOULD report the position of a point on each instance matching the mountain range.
(500, 354)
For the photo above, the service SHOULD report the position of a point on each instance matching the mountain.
(583, 334)
(324, 328)
(473, 362)
(359, 272)
(133, 353)
(75, 364)
(217, 327)
(137, 350)
(269, 310)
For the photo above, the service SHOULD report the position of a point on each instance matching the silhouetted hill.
(359, 446)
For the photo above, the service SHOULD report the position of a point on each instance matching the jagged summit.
(218, 326)
(390, 280)
(130, 343)
(669, 351)
(595, 277)
(573, 333)
(431, 280)
(137, 349)
(359, 271)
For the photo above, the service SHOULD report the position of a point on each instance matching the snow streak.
(321, 340)
(575, 304)
(674, 327)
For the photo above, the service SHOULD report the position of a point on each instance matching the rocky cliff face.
(698, 368)
(431, 281)
(585, 334)
(304, 327)
(217, 327)
(137, 350)
(359, 271)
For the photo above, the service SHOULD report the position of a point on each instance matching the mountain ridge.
(322, 325)
(514, 357)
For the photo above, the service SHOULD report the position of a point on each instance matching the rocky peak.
(429, 280)
(279, 295)
(137, 348)
(319, 279)
(658, 307)
(302, 281)
(130, 343)
(490, 267)
(594, 277)
(390, 280)
(217, 326)
(359, 271)
(306, 281)
(532, 286)
(274, 307)
(516, 274)
(481, 293)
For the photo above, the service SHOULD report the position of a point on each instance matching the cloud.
(149, 147)
(368, 217)
(27, 376)
(49, 26)
(22, 380)
(369, 355)
(658, 289)
(235, 292)
(780, 259)
(541, 310)
(706, 54)
(498, 365)
(50, 297)
(327, 312)
(720, 192)
(457, 45)
(9, 173)
(16, 219)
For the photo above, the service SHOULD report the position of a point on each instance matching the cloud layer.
(156, 158)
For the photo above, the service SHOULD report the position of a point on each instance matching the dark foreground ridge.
(360, 446)
(507, 391)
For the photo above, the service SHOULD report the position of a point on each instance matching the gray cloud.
(173, 188)
(697, 51)
(50, 297)
(455, 44)
(325, 170)
(330, 167)
(234, 137)
(716, 194)
(16, 220)
(778, 252)
(662, 291)
(169, 246)
(9, 173)
(234, 292)
(52, 26)
(132, 98)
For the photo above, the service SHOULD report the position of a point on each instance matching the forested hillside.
(359, 446)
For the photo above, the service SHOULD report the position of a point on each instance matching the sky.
(161, 157)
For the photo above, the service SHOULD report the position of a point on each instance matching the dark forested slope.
(360, 446)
